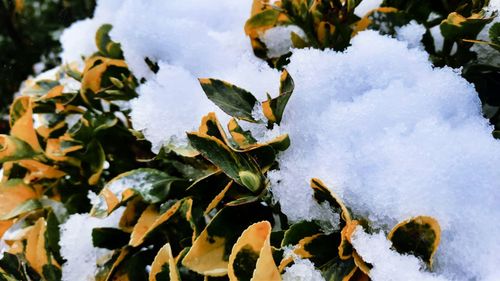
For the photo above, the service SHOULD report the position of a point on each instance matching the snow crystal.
(302, 270)
(395, 138)
(411, 33)
(278, 40)
(389, 265)
(76, 244)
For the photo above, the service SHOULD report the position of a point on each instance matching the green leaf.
(109, 238)
(104, 43)
(298, 231)
(233, 100)
(23, 208)
(229, 161)
(417, 236)
(153, 185)
(210, 252)
(12, 149)
(457, 26)
(274, 108)
(51, 273)
(494, 34)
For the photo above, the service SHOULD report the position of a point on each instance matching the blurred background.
(29, 40)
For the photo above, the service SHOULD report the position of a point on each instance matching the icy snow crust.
(391, 135)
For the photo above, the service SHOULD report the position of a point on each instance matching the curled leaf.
(417, 236)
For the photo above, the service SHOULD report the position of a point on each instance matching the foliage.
(204, 212)
(29, 32)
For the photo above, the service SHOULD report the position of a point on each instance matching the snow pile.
(77, 248)
(190, 40)
(387, 264)
(412, 33)
(302, 270)
(395, 138)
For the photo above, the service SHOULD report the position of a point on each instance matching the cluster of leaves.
(29, 31)
(325, 23)
(198, 213)
(64, 132)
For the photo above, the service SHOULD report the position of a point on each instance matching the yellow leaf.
(163, 258)
(150, 219)
(94, 70)
(13, 193)
(22, 127)
(36, 254)
(253, 246)
(217, 199)
(38, 170)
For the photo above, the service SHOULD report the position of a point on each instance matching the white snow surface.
(302, 270)
(395, 138)
(77, 248)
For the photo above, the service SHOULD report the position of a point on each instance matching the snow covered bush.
(325, 151)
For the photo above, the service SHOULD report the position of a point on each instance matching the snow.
(278, 40)
(302, 270)
(366, 6)
(412, 33)
(388, 265)
(395, 138)
(76, 244)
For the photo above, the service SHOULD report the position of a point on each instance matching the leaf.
(233, 100)
(273, 108)
(251, 257)
(298, 231)
(14, 193)
(22, 208)
(418, 236)
(22, 126)
(13, 149)
(456, 26)
(151, 220)
(229, 161)
(109, 238)
(494, 34)
(323, 194)
(153, 185)
(209, 254)
(264, 20)
(338, 270)
(242, 138)
(164, 266)
(36, 252)
(96, 157)
(104, 43)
